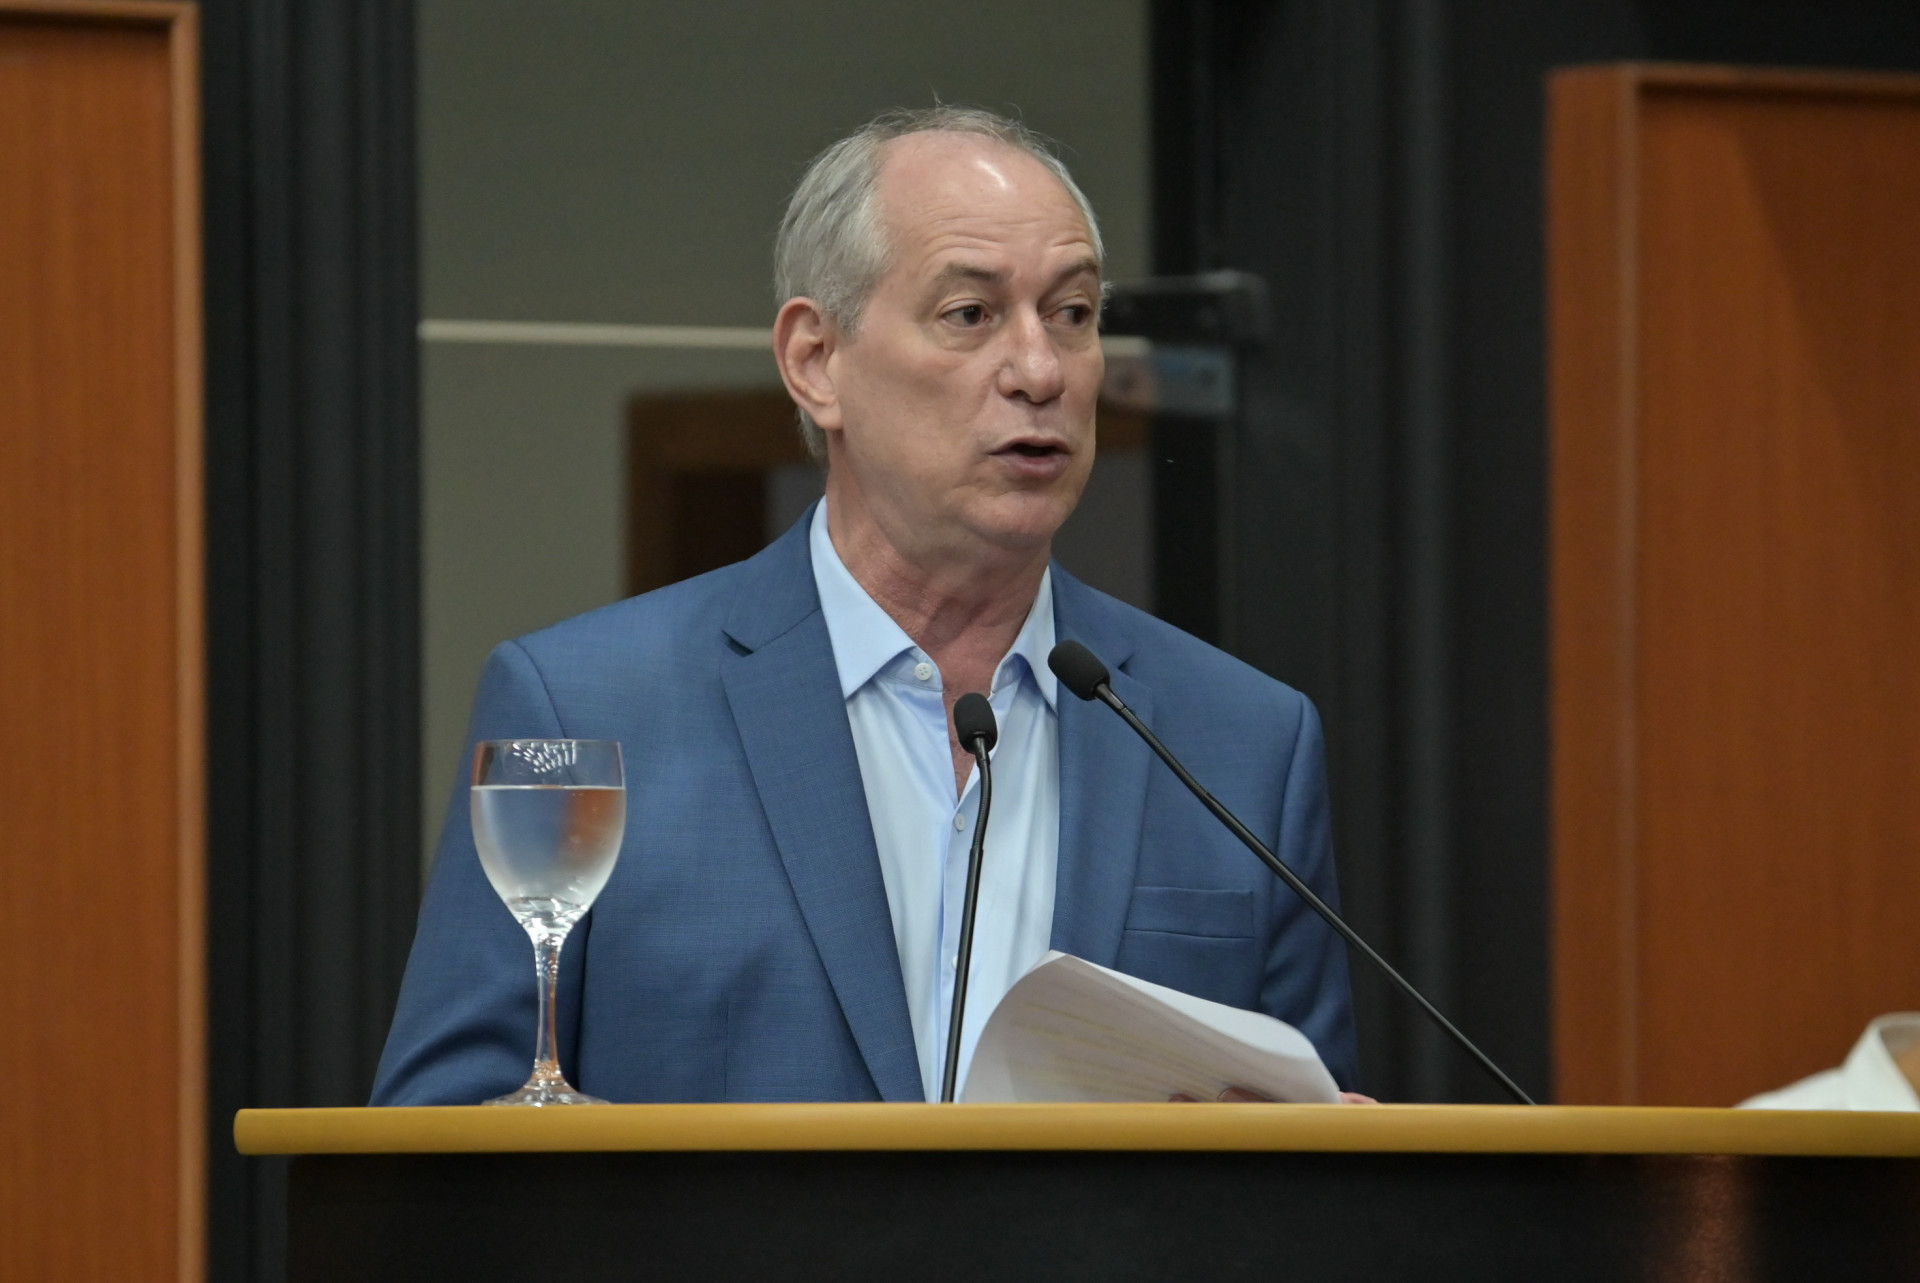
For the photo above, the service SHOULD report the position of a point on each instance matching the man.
(783, 919)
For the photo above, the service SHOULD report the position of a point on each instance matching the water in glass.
(548, 848)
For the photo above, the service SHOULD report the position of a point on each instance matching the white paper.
(1875, 1075)
(1073, 1031)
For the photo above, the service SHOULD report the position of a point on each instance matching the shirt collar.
(1034, 644)
(866, 639)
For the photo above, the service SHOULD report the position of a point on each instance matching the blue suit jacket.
(743, 950)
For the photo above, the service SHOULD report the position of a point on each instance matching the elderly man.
(782, 923)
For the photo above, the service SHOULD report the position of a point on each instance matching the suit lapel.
(784, 691)
(1104, 771)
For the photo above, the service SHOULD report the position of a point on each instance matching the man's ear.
(804, 340)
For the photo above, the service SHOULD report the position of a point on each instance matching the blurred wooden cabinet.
(698, 468)
(1735, 366)
(102, 1086)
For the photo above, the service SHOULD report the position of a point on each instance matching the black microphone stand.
(1081, 671)
(973, 722)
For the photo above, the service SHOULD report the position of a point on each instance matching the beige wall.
(626, 162)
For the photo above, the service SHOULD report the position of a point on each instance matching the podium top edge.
(1492, 1129)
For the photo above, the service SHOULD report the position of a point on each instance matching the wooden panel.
(695, 480)
(1736, 366)
(101, 1151)
(1589, 377)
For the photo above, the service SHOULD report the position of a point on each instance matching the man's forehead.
(937, 151)
(928, 176)
(956, 265)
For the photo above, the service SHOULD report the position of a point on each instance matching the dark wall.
(313, 563)
(1380, 164)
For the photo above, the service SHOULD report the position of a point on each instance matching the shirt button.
(923, 671)
(959, 821)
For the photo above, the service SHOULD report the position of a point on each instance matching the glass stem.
(546, 963)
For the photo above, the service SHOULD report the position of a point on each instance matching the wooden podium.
(1094, 1191)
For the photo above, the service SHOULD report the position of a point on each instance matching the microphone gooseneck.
(978, 732)
(1082, 672)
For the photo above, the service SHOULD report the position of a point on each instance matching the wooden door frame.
(180, 23)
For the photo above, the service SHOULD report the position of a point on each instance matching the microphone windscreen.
(1078, 668)
(973, 720)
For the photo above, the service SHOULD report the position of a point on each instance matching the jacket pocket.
(1192, 911)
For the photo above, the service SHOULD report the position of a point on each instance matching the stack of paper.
(1072, 1031)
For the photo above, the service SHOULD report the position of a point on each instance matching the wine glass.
(548, 816)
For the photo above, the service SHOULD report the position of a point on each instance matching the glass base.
(546, 1094)
(546, 1087)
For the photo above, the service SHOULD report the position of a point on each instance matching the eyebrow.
(968, 272)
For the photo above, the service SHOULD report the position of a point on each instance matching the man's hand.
(1241, 1096)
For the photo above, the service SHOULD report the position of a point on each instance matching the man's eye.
(1076, 314)
(971, 314)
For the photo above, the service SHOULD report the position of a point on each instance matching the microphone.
(973, 723)
(1081, 672)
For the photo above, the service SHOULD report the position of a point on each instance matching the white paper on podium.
(1072, 1031)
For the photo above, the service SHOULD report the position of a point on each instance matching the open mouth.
(1035, 460)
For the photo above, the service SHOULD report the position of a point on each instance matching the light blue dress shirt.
(924, 833)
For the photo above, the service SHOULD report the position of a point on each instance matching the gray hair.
(832, 247)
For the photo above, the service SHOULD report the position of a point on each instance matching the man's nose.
(1031, 369)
